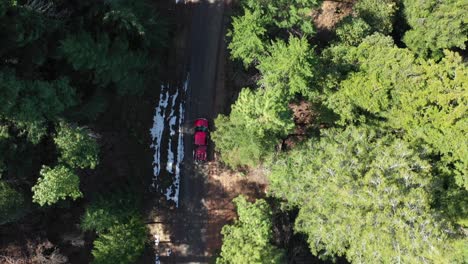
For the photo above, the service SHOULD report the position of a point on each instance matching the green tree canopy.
(248, 33)
(76, 147)
(425, 100)
(56, 184)
(111, 61)
(264, 19)
(257, 121)
(109, 210)
(351, 31)
(362, 195)
(288, 67)
(436, 25)
(121, 244)
(379, 14)
(248, 240)
(30, 104)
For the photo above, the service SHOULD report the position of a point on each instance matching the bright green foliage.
(107, 211)
(30, 104)
(436, 25)
(122, 244)
(77, 148)
(12, 204)
(56, 184)
(379, 14)
(262, 18)
(288, 67)
(262, 112)
(238, 147)
(257, 120)
(248, 33)
(248, 239)
(426, 100)
(361, 195)
(111, 61)
(351, 31)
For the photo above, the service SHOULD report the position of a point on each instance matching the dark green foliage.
(111, 61)
(364, 196)
(56, 184)
(436, 25)
(248, 240)
(109, 210)
(12, 203)
(121, 244)
(76, 146)
(30, 104)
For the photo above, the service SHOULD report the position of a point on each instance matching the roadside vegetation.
(381, 174)
(61, 64)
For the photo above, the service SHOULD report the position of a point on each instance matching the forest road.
(205, 42)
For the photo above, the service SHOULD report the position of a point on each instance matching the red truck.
(200, 139)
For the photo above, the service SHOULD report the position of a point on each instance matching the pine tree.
(363, 195)
(288, 67)
(248, 240)
(425, 100)
(121, 244)
(436, 25)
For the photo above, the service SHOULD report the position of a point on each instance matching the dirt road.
(185, 227)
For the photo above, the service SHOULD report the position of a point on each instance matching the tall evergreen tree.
(248, 240)
(363, 195)
(436, 25)
(424, 100)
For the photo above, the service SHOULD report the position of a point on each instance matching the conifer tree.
(248, 240)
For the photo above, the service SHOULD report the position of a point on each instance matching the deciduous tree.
(56, 184)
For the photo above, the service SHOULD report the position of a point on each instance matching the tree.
(256, 123)
(109, 210)
(12, 203)
(111, 61)
(264, 20)
(56, 184)
(351, 31)
(436, 25)
(294, 16)
(248, 33)
(288, 67)
(122, 243)
(248, 239)
(424, 100)
(365, 195)
(379, 14)
(30, 104)
(77, 148)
